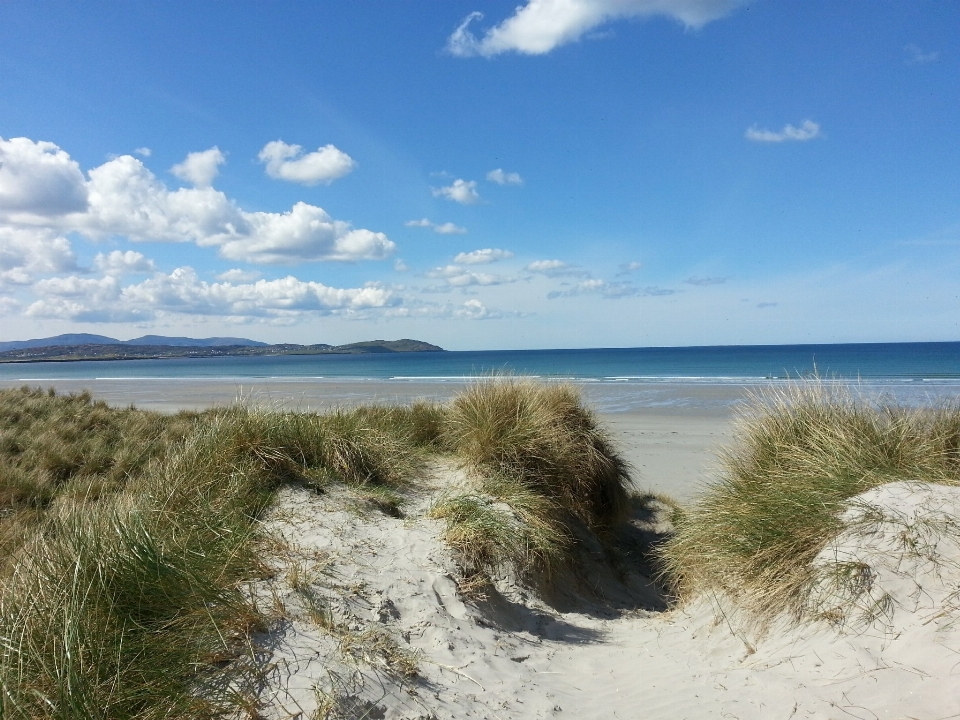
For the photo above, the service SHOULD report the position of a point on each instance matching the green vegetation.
(127, 537)
(800, 455)
(544, 470)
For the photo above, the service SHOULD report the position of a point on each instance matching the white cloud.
(400, 266)
(555, 268)
(542, 25)
(306, 232)
(200, 168)
(143, 152)
(183, 293)
(916, 56)
(629, 267)
(39, 179)
(808, 130)
(286, 162)
(482, 257)
(26, 253)
(504, 178)
(236, 275)
(119, 262)
(456, 276)
(461, 191)
(448, 228)
(123, 198)
(475, 310)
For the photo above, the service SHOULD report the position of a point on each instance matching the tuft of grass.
(801, 453)
(128, 537)
(544, 466)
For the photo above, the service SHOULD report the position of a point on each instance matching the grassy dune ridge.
(799, 455)
(128, 535)
(127, 538)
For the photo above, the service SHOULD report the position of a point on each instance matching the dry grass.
(543, 465)
(801, 453)
(128, 536)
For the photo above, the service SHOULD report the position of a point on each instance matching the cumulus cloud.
(916, 56)
(447, 228)
(306, 232)
(461, 191)
(504, 178)
(123, 198)
(183, 293)
(38, 178)
(400, 266)
(808, 130)
(200, 168)
(27, 253)
(539, 26)
(236, 275)
(119, 262)
(697, 280)
(458, 277)
(288, 162)
(143, 152)
(475, 310)
(629, 267)
(482, 257)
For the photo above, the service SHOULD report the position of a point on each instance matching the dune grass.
(800, 453)
(544, 469)
(128, 537)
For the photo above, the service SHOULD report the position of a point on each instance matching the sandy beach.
(668, 432)
(612, 648)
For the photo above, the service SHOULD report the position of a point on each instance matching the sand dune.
(609, 650)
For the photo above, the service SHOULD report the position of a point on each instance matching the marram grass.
(799, 454)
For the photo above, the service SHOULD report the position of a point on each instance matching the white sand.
(516, 657)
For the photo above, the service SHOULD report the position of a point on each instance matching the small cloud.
(697, 280)
(400, 266)
(808, 130)
(123, 263)
(628, 268)
(288, 162)
(539, 26)
(200, 168)
(461, 191)
(448, 228)
(482, 257)
(767, 305)
(916, 56)
(143, 152)
(500, 177)
(476, 310)
(239, 276)
(554, 268)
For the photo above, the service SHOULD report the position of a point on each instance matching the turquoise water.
(937, 363)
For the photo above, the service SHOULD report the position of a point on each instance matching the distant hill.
(74, 339)
(69, 339)
(157, 347)
(192, 342)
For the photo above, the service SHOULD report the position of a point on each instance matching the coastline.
(668, 432)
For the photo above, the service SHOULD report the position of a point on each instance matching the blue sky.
(562, 173)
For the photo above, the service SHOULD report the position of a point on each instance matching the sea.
(910, 373)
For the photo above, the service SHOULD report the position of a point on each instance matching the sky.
(482, 175)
